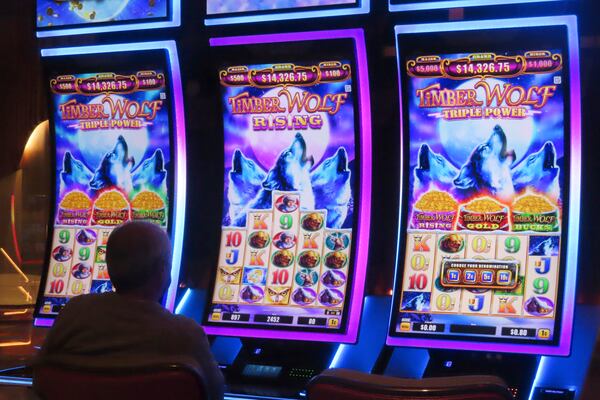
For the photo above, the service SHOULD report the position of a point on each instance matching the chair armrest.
(401, 387)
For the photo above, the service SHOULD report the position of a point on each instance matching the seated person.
(129, 328)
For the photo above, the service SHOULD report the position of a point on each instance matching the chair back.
(176, 382)
(341, 384)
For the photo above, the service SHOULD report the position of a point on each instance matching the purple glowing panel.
(288, 253)
(43, 322)
(485, 257)
(152, 140)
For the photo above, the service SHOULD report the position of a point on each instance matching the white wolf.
(245, 180)
(291, 172)
(331, 185)
(538, 170)
(488, 168)
(433, 168)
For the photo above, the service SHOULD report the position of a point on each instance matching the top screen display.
(233, 11)
(287, 229)
(411, 5)
(113, 165)
(486, 205)
(234, 6)
(52, 14)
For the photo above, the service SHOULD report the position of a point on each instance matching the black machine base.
(517, 370)
(277, 368)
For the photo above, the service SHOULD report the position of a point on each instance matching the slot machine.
(491, 169)
(289, 279)
(118, 140)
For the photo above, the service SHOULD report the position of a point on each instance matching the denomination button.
(504, 278)
(470, 276)
(453, 276)
(487, 277)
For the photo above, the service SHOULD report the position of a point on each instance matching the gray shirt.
(109, 330)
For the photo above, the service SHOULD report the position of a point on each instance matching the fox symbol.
(245, 180)
(432, 167)
(331, 186)
(291, 172)
(539, 170)
(488, 168)
(115, 169)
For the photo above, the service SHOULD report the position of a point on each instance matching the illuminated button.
(487, 277)
(453, 276)
(543, 333)
(215, 316)
(46, 309)
(405, 326)
(333, 322)
(504, 278)
(470, 276)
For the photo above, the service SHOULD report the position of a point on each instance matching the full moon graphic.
(104, 10)
(267, 145)
(460, 137)
(94, 144)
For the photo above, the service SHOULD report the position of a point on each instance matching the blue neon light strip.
(571, 263)
(456, 3)
(364, 8)
(339, 353)
(183, 300)
(4, 380)
(538, 374)
(179, 139)
(174, 22)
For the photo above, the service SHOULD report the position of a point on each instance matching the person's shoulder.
(185, 322)
(186, 326)
(87, 300)
(80, 307)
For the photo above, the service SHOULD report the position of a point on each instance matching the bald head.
(138, 256)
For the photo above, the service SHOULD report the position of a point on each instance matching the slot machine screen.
(233, 11)
(487, 168)
(292, 188)
(111, 128)
(412, 5)
(228, 7)
(63, 17)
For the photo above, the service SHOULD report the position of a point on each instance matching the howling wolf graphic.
(245, 180)
(115, 169)
(291, 172)
(151, 173)
(433, 168)
(331, 185)
(74, 175)
(488, 169)
(540, 171)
